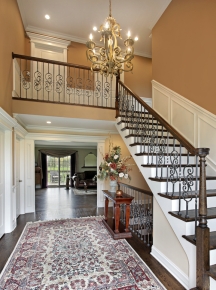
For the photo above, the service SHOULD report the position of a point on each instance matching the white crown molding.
(48, 39)
(170, 266)
(65, 138)
(66, 129)
(31, 30)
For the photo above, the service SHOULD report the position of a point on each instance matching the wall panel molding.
(198, 125)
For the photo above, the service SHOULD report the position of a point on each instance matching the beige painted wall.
(61, 110)
(183, 50)
(139, 81)
(77, 54)
(137, 178)
(12, 40)
(166, 241)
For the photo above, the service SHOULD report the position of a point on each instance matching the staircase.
(176, 174)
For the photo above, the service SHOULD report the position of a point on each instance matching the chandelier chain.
(110, 8)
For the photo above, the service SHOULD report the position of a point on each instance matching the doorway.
(57, 170)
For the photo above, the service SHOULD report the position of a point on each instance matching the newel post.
(117, 95)
(202, 240)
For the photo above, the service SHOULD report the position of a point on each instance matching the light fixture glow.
(136, 38)
(49, 122)
(110, 59)
(47, 16)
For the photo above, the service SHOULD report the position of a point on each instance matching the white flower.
(126, 176)
(116, 157)
(109, 163)
(121, 174)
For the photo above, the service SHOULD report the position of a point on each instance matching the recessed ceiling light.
(95, 28)
(136, 38)
(48, 122)
(47, 16)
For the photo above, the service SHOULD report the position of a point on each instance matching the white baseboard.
(171, 267)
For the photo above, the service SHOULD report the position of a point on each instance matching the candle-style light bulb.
(90, 36)
(129, 34)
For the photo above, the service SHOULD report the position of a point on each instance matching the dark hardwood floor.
(57, 203)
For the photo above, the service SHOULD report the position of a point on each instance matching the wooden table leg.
(127, 217)
(117, 218)
(106, 208)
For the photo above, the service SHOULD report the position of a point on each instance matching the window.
(57, 170)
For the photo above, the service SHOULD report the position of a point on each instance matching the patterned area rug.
(74, 254)
(83, 191)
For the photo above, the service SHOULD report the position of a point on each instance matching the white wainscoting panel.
(180, 118)
(161, 103)
(29, 176)
(196, 124)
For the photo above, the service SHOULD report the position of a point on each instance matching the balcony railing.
(43, 80)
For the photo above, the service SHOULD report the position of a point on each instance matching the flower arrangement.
(114, 166)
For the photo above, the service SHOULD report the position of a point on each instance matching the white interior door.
(2, 188)
(18, 178)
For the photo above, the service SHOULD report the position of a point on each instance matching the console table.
(114, 226)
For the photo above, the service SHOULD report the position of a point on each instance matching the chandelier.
(110, 59)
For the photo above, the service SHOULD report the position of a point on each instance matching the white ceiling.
(67, 125)
(74, 19)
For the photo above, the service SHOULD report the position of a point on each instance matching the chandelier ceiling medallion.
(110, 59)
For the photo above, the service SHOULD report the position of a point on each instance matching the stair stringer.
(178, 226)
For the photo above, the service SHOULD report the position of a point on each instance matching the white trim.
(198, 115)
(170, 266)
(66, 129)
(6, 121)
(40, 39)
(65, 138)
(200, 109)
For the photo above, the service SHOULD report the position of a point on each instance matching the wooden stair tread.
(164, 179)
(140, 143)
(190, 238)
(139, 135)
(212, 271)
(175, 195)
(165, 165)
(211, 214)
(149, 129)
(155, 154)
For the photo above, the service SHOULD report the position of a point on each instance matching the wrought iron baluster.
(180, 168)
(174, 166)
(196, 197)
(187, 183)
(167, 162)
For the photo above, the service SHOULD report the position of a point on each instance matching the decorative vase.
(113, 185)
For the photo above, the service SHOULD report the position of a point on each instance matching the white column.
(10, 211)
(22, 176)
(29, 176)
(100, 183)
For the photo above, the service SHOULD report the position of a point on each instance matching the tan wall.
(183, 50)
(137, 178)
(166, 241)
(77, 54)
(12, 40)
(140, 80)
(61, 110)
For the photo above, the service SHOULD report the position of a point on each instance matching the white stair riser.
(165, 171)
(210, 184)
(155, 159)
(212, 257)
